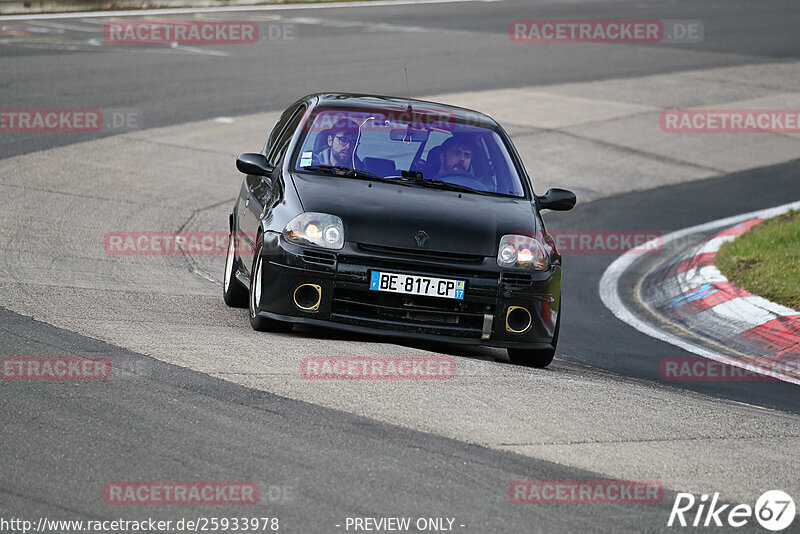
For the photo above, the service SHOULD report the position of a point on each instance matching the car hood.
(391, 215)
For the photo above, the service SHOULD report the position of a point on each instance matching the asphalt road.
(314, 466)
(667, 209)
(198, 396)
(317, 466)
(446, 47)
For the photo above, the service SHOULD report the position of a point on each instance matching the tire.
(233, 292)
(540, 358)
(262, 324)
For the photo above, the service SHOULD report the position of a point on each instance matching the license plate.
(417, 285)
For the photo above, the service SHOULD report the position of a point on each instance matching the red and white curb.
(693, 293)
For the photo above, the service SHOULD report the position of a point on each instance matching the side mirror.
(253, 163)
(557, 200)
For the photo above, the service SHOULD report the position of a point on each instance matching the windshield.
(430, 149)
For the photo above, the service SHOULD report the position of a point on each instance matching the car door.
(262, 193)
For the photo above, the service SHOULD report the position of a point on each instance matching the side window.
(281, 142)
(279, 127)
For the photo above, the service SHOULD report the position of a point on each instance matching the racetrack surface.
(197, 395)
(451, 47)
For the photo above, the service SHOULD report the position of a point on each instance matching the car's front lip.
(347, 303)
(401, 334)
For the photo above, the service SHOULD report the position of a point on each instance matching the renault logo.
(421, 238)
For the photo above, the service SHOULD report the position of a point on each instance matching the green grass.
(766, 260)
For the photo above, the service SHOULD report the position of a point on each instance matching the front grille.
(516, 279)
(422, 253)
(319, 258)
(414, 313)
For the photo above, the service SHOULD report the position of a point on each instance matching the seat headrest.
(432, 163)
(321, 141)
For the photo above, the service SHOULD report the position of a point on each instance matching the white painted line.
(41, 29)
(71, 27)
(195, 50)
(694, 278)
(734, 325)
(609, 289)
(754, 310)
(231, 9)
(713, 245)
(366, 26)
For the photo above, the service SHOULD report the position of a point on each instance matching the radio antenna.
(408, 93)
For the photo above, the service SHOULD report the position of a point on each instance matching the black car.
(399, 217)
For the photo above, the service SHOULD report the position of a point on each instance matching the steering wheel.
(463, 178)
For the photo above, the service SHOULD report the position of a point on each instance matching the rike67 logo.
(774, 510)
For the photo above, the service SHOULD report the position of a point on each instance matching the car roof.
(399, 104)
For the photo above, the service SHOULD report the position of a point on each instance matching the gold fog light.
(518, 320)
(307, 297)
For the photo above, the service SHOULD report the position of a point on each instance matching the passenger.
(455, 155)
(341, 148)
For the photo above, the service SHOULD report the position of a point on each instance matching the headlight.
(318, 229)
(522, 252)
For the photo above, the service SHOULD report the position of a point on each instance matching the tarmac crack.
(88, 197)
(194, 268)
(620, 148)
(175, 145)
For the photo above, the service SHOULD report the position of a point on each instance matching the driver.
(341, 146)
(455, 155)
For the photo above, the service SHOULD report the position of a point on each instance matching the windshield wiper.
(434, 183)
(453, 187)
(408, 178)
(340, 170)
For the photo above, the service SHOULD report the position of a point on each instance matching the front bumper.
(347, 303)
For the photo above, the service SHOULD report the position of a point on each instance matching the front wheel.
(539, 358)
(262, 324)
